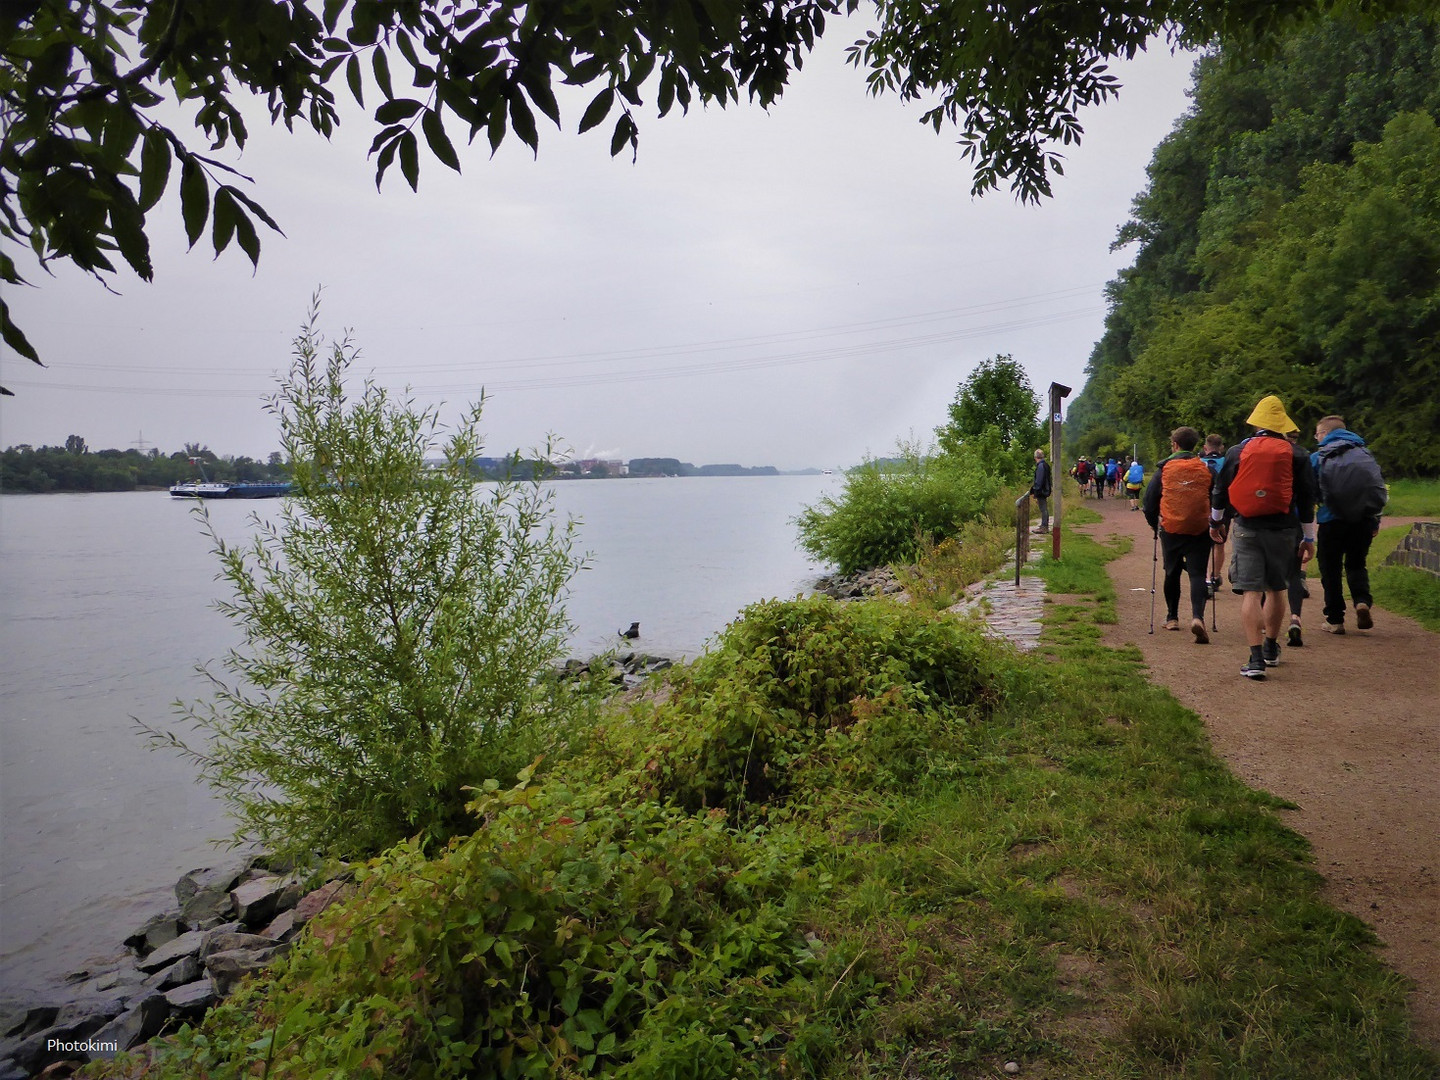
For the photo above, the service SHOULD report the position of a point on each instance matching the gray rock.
(20, 1019)
(186, 969)
(281, 928)
(314, 903)
(226, 969)
(86, 1014)
(120, 979)
(192, 999)
(10, 1070)
(204, 894)
(257, 901)
(139, 1023)
(185, 945)
(229, 941)
(77, 1022)
(160, 930)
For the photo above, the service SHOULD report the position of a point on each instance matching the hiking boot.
(1294, 640)
(1362, 617)
(1254, 669)
(1172, 624)
(1212, 586)
(1197, 627)
(1271, 652)
(1333, 627)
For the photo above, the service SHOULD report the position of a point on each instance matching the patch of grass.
(1414, 498)
(1403, 590)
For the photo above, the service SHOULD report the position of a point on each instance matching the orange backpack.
(1185, 496)
(1264, 479)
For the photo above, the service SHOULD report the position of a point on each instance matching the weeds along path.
(1346, 728)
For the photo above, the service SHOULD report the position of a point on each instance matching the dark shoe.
(1197, 627)
(1271, 652)
(1254, 669)
(1333, 627)
(1294, 640)
(1362, 617)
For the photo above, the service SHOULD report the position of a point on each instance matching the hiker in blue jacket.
(1344, 532)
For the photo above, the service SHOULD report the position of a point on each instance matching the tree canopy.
(87, 150)
(997, 395)
(1287, 244)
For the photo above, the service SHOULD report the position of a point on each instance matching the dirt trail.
(1347, 728)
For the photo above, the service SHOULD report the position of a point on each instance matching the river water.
(106, 608)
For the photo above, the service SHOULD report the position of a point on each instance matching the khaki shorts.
(1261, 559)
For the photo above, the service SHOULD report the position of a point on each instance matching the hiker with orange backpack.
(1265, 484)
(1177, 506)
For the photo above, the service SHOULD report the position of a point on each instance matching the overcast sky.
(793, 288)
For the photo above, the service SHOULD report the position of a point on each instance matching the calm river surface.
(105, 610)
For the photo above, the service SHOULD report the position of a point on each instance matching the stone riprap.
(232, 920)
(1419, 549)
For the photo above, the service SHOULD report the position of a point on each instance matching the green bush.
(399, 629)
(887, 514)
(793, 686)
(573, 935)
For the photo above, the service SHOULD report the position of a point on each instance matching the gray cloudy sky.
(791, 288)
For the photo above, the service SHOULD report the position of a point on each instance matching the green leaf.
(256, 209)
(194, 199)
(537, 83)
(393, 112)
(352, 76)
(246, 238)
(14, 338)
(154, 167)
(223, 220)
(127, 225)
(410, 159)
(495, 129)
(440, 145)
(624, 134)
(522, 120)
(381, 63)
(597, 109)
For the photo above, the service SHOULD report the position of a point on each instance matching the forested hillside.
(1288, 242)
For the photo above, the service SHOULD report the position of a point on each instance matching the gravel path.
(1347, 728)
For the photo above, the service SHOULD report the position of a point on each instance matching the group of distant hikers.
(1260, 499)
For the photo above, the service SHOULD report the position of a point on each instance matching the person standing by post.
(1177, 506)
(1352, 497)
(1264, 485)
(1040, 487)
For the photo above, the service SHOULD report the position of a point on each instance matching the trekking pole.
(1154, 563)
(1214, 587)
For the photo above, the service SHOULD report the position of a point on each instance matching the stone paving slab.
(1012, 613)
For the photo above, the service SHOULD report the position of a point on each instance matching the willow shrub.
(889, 512)
(400, 625)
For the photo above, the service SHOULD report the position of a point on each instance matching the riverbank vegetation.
(75, 467)
(854, 840)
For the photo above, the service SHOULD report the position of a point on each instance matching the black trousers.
(1341, 550)
(1185, 555)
